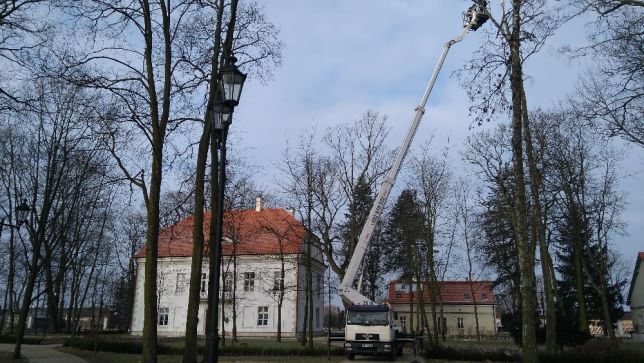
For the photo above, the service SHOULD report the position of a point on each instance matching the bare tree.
(431, 177)
(496, 86)
(464, 214)
(612, 93)
(23, 31)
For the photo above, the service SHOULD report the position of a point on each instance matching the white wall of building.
(452, 313)
(251, 298)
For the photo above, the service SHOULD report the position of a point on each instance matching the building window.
(163, 316)
(277, 278)
(262, 316)
(181, 282)
(228, 282)
(403, 321)
(467, 296)
(460, 323)
(484, 297)
(249, 281)
(204, 283)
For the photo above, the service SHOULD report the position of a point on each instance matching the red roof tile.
(269, 231)
(451, 292)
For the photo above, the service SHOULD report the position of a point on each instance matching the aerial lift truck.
(370, 328)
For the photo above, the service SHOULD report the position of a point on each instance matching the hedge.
(136, 347)
(11, 339)
(449, 353)
(597, 357)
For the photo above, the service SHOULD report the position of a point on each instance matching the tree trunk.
(309, 285)
(223, 305)
(538, 228)
(212, 244)
(423, 313)
(194, 298)
(411, 309)
(26, 300)
(524, 247)
(433, 286)
(608, 322)
(234, 300)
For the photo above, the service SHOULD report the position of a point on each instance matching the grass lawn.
(482, 345)
(631, 346)
(103, 357)
(7, 357)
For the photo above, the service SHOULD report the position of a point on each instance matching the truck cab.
(370, 331)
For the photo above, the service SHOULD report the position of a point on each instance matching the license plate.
(367, 345)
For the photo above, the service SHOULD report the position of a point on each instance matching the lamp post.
(21, 211)
(231, 82)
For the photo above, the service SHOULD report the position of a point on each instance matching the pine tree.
(403, 231)
(356, 217)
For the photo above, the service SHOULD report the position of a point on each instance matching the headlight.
(347, 345)
(387, 345)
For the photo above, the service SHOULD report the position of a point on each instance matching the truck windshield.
(367, 317)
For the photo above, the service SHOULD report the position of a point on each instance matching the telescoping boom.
(370, 329)
(473, 18)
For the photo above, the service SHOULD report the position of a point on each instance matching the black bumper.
(368, 347)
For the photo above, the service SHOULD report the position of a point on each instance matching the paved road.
(406, 358)
(43, 354)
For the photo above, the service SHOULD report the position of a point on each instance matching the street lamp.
(231, 81)
(22, 211)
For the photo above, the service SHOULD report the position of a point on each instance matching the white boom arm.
(346, 290)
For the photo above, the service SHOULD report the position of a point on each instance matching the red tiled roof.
(269, 231)
(451, 292)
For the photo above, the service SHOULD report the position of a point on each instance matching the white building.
(636, 298)
(458, 313)
(261, 241)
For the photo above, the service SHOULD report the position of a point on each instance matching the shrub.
(596, 357)
(136, 347)
(11, 339)
(115, 346)
(450, 353)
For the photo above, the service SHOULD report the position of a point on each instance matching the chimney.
(259, 201)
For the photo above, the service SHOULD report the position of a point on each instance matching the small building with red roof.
(459, 304)
(636, 298)
(258, 246)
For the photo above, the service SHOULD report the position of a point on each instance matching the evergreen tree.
(592, 277)
(498, 247)
(403, 232)
(356, 217)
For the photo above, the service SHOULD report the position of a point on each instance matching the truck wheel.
(351, 356)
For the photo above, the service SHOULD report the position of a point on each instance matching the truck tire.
(351, 356)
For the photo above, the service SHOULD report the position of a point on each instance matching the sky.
(345, 57)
